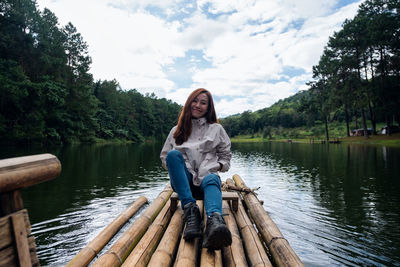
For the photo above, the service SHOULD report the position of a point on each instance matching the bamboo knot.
(116, 255)
(274, 238)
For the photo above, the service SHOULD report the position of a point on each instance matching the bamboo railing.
(17, 245)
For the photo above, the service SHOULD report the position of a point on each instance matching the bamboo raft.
(155, 237)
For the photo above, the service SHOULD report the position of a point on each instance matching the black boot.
(217, 233)
(194, 224)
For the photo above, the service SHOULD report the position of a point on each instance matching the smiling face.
(199, 106)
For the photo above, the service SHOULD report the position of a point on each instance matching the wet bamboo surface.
(209, 257)
(121, 249)
(155, 238)
(188, 251)
(166, 250)
(279, 247)
(87, 254)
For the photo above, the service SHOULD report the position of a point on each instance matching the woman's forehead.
(202, 96)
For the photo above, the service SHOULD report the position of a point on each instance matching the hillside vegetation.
(356, 84)
(47, 94)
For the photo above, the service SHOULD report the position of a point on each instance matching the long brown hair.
(184, 128)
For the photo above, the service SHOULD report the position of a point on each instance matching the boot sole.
(219, 238)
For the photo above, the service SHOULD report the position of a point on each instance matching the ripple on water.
(328, 218)
(59, 239)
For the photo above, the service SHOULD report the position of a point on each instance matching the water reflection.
(337, 205)
(340, 202)
(96, 184)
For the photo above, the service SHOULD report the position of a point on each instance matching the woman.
(195, 150)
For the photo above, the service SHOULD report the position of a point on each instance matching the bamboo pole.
(279, 247)
(188, 251)
(141, 254)
(209, 257)
(234, 254)
(255, 251)
(86, 255)
(118, 252)
(20, 172)
(166, 250)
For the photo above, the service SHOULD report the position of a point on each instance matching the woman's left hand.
(220, 166)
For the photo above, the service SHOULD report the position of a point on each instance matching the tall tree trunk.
(326, 129)
(364, 123)
(371, 114)
(346, 113)
(356, 119)
(371, 62)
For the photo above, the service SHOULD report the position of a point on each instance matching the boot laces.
(216, 217)
(189, 215)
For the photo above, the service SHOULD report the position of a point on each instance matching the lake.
(337, 205)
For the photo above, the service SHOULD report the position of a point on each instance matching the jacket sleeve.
(224, 154)
(168, 145)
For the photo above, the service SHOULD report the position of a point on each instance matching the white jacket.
(207, 146)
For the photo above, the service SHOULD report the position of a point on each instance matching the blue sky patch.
(181, 71)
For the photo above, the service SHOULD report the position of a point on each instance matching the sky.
(248, 53)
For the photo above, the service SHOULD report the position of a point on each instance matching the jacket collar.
(200, 121)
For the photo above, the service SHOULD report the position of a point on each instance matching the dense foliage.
(284, 113)
(47, 94)
(358, 76)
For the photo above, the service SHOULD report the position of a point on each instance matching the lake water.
(337, 205)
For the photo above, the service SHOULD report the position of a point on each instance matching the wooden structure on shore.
(155, 237)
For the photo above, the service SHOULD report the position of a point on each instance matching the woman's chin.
(196, 116)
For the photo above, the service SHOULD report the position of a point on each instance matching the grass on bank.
(337, 131)
(392, 140)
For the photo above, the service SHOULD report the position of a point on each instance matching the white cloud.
(249, 45)
(225, 107)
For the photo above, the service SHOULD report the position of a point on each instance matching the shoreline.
(382, 140)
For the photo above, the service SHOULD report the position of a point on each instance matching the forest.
(48, 96)
(356, 81)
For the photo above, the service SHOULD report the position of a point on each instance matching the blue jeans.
(181, 182)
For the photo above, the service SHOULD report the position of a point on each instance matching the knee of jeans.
(211, 179)
(173, 154)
